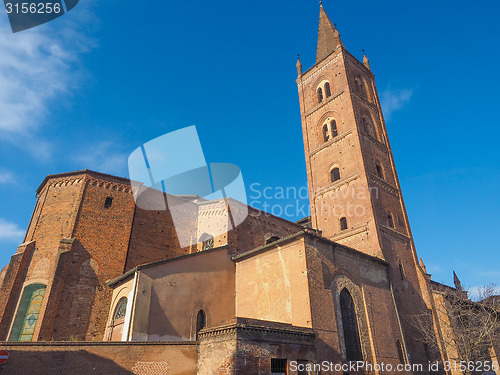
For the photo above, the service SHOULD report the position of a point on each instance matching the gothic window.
(400, 352)
(350, 325)
(328, 92)
(121, 309)
(390, 220)
(272, 239)
(108, 202)
(368, 127)
(27, 313)
(343, 223)
(334, 175)
(333, 125)
(207, 241)
(201, 321)
(279, 366)
(380, 172)
(360, 87)
(326, 137)
(320, 95)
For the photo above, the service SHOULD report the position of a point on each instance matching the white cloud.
(103, 157)
(6, 177)
(10, 231)
(37, 67)
(393, 100)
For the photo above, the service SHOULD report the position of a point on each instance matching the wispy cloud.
(477, 292)
(38, 71)
(393, 100)
(104, 157)
(6, 177)
(10, 231)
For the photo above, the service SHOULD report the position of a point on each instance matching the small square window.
(108, 202)
(278, 366)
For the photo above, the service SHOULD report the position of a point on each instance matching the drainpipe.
(399, 321)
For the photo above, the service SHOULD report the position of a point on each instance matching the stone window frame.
(338, 285)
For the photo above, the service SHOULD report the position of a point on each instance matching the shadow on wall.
(78, 362)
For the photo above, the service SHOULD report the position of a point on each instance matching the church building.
(101, 285)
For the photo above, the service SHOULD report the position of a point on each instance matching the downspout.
(128, 323)
(399, 321)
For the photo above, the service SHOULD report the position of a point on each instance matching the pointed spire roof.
(328, 35)
(299, 66)
(366, 62)
(456, 281)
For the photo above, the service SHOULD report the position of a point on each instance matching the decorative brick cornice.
(335, 185)
(394, 233)
(325, 101)
(365, 101)
(309, 74)
(126, 188)
(260, 332)
(349, 232)
(336, 139)
(382, 147)
(384, 185)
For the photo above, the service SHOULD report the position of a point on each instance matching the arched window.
(328, 92)
(201, 321)
(360, 87)
(350, 325)
(207, 241)
(326, 137)
(368, 127)
(401, 271)
(333, 125)
(343, 223)
(272, 239)
(334, 174)
(27, 313)
(121, 309)
(390, 220)
(400, 352)
(320, 95)
(380, 172)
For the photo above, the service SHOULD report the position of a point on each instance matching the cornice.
(331, 141)
(381, 146)
(239, 330)
(325, 101)
(384, 185)
(393, 232)
(349, 232)
(335, 185)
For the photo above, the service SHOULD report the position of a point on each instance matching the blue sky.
(85, 90)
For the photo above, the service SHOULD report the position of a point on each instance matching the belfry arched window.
(27, 314)
(328, 91)
(334, 174)
(350, 327)
(368, 127)
(320, 94)
(333, 126)
(326, 136)
(390, 220)
(380, 172)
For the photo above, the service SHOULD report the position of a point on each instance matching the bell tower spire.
(328, 35)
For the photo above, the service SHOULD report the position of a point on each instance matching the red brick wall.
(100, 358)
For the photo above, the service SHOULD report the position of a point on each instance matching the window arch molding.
(326, 90)
(343, 282)
(326, 119)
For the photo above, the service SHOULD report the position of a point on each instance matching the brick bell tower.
(354, 190)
